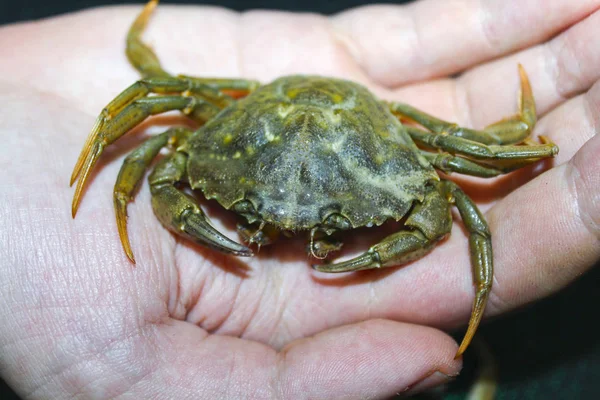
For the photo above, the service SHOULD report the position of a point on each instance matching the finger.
(572, 124)
(548, 232)
(401, 44)
(175, 359)
(558, 70)
(373, 359)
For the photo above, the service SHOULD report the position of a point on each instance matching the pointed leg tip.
(462, 348)
(523, 75)
(76, 169)
(76, 198)
(130, 256)
(128, 251)
(74, 207)
(546, 140)
(76, 172)
(476, 316)
(150, 6)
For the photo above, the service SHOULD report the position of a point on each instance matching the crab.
(307, 153)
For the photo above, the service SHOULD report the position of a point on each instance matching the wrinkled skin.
(78, 319)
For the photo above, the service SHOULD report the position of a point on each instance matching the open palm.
(80, 319)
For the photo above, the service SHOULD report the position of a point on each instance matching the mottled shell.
(304, 147)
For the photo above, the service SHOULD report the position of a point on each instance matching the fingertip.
(373, 358)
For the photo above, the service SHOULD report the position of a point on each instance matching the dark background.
(550, 350)
(31, 9)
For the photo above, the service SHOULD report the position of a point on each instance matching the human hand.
(186, 322)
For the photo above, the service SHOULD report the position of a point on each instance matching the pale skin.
(80, 320)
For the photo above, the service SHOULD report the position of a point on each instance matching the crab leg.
(180, 213)
(507, 131)
(139, 54)
(132, 172)
(506, 154)
(480, 246)
(448, 163)
(233, 87)
(142, 57)
(198, 98)
(131, 107)
(428, 222)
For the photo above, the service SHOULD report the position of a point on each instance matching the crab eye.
(337, 221)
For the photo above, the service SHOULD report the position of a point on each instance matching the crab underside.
(307, 153)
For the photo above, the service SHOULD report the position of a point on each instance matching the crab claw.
(367, 260)
(181, 214)
(195, 226)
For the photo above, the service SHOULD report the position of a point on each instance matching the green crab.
(307, 153)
